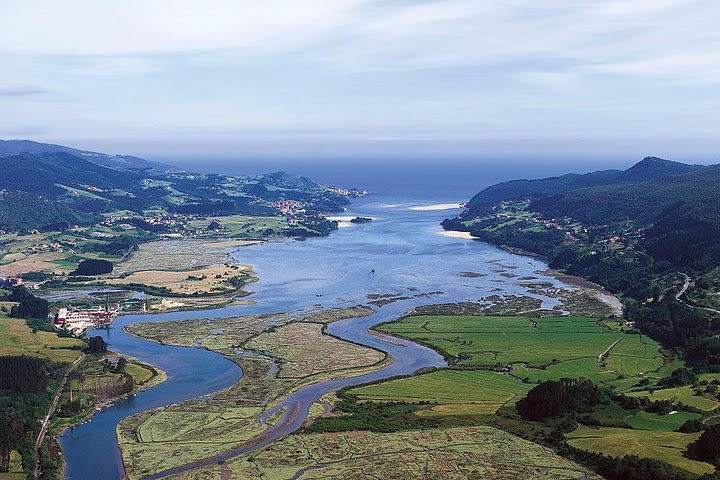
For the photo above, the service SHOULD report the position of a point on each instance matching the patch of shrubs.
(678, 378)
(691, 426)
(661, 407)
(92, 267)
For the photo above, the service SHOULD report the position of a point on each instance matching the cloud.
(88, 27)
(557, 41)
(364, 68)
(114, 66)
(20, 90)
(687, 67)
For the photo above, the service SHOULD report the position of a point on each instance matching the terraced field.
(454, 392)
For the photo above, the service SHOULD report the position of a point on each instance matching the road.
(683, 290)
(46, 423)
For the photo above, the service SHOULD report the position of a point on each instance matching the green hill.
(642, 233)
(675, 206)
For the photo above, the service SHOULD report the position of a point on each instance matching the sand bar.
(456, 234)
(437, 206)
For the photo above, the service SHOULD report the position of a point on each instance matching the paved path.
(51, 411)
(600, 357)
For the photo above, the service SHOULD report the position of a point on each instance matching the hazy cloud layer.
(409, 71)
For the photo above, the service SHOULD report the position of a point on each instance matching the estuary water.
(402, 251)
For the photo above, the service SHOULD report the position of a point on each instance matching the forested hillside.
(65, 187)
(650, 168)
(119, 162)
(673, 207)
(642, 233)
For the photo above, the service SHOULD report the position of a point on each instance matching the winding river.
(410, 257)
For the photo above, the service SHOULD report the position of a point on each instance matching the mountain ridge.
(649, 168)
(117, 162)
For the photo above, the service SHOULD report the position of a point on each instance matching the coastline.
(600, 292)
(457, 234)
(438, 206)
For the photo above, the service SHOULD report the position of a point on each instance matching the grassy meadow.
(538, 348)
(17, 338)
(658, 444)
(682, 394)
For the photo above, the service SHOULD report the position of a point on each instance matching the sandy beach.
(456, 234)
(437, 206)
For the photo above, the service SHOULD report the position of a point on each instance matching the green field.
(454, 392)
(242, 226)
(16, 338)
(680, 394)
(140, 373)
(663, 423)
(536, 342)
(618, 442)
(587, 368)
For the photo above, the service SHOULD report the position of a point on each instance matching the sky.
(364, 78)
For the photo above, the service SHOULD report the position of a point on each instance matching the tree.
(120, 366)
(29, 306)
(678, 377)
(91, 267)
(23, 375)
(708, 445)
(555, 398)
(691, 426)
(96, 345)
(661, 407)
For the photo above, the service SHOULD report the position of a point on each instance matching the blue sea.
(425, 178)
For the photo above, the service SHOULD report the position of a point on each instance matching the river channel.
(402, 251)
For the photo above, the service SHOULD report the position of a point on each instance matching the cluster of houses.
(289, 208)
(6, 282)
(45, 248)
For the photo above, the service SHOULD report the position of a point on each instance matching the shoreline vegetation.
(144, 376)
